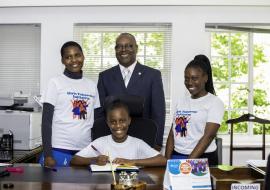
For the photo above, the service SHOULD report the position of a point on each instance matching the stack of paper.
(257, 164)
(115, 167)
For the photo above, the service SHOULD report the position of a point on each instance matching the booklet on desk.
(257, 165)
(116, 167)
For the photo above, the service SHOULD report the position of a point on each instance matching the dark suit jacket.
(145, 82)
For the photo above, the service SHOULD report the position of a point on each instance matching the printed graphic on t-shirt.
(79, 103)
(79, 109)
(181, 123)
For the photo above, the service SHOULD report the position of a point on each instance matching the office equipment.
(247, 118)
(26, 128)
(15, 102)
(6, 147)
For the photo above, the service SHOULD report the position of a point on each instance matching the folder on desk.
(257, 165)
(116, 167)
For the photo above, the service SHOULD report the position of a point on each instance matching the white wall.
(189, 36)
(16, 3)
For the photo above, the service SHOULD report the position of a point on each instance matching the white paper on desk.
(187, 174)
(5, 164)
(257, 163)
(107, 168)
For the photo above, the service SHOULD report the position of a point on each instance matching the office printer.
(24, 122)
(25, 126)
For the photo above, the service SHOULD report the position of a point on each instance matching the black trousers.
(211, 156)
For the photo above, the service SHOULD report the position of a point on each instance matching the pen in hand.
(95, 149)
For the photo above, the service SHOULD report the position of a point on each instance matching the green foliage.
(99, 45)
(230, 65)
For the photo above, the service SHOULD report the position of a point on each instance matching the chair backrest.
(142, 128)
(100, 128)
(145, 129)
(247, 118)
(135, 103)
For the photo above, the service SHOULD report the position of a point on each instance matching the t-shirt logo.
(181, 122)
(79, 109)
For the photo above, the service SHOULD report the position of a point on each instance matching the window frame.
(229, 82)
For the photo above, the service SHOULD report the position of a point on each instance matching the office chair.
(247, 118)
(142, 128)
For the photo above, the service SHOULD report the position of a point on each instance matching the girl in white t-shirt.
(68, 110)
(122, 148)
(197, 117)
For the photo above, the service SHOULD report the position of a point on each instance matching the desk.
(68, 178)
(222, 180)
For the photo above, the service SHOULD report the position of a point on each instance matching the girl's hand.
(123, 161)
(102, 160)
(49, 161)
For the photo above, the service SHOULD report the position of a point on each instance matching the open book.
(115, 167)
(257, 165)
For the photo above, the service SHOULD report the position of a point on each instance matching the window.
(240, 60)
(19, 59)
(154, 41)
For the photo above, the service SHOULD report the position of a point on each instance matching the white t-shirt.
(131, 148)
(74, 101)
(190, 119)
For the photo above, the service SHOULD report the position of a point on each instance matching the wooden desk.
(222, 180)
(67, 178)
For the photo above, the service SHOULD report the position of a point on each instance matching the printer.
(25, 126)
(23, 122)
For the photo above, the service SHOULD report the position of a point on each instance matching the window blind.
(19, 59)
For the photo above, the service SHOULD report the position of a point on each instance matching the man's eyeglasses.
(119, 47)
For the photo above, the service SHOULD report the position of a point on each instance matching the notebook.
(115, 167)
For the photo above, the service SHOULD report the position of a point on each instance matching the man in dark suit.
(132, 78)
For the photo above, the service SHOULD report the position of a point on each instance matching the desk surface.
(36, 177)
(223, 179)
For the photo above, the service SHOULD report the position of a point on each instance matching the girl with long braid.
(205, 112)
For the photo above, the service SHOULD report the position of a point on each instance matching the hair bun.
(202, 58)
